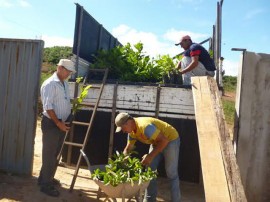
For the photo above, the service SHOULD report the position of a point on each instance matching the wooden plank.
(213, 172)
(231, 168)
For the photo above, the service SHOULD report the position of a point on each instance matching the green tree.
(128, 63)
(53, 54)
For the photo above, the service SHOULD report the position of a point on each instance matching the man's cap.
(120, 120)
(68, 64)
(186, 37)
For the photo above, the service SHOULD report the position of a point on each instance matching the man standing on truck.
(56, 110)
(196, 60)
(164, 143)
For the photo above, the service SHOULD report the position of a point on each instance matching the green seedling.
(124, 169)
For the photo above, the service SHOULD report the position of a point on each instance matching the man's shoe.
(56, 182)
(49, 190)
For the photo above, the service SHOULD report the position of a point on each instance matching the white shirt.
(55, 96)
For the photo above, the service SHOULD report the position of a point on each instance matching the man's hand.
(146, 160)
(158, 146)
(62, 126)
(178, 66)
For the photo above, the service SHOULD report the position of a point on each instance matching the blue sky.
(158, 24)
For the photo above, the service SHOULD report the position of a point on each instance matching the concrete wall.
(253, 116)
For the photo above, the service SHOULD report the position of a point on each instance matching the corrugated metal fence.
(20, 67)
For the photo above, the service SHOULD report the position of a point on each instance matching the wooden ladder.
(89, 125)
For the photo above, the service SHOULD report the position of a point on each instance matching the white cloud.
(10, 3)
(175, 35)
(51, 41)
(4, 25)
(5, 4)
(251, 14)
(231, 67)
(153, 45)
(184, 3)
(23, 3)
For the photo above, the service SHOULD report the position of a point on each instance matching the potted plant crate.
(123, 176)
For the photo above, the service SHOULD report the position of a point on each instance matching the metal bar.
(219, 41)
(78, 51)
(213, 42)
(99, 37)
(112, 120)
(217, 44)
(157, 101)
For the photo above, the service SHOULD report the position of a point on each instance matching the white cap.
(68, 64)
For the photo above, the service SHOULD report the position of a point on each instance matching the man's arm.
(129, 147)
(192, 65)
(159, 144)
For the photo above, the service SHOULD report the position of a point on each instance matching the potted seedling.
(124, 175)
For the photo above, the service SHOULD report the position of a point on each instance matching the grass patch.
(229, 83)
(229, 109)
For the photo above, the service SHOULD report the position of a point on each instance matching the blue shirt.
(204, 57)
(55, 96)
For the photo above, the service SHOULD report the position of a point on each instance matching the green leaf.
(124, 168)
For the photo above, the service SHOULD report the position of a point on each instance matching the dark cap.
(120, 120)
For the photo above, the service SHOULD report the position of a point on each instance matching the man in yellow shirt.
(164, 143)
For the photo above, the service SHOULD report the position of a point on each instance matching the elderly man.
(164, 143)
(56, 110)
(196, 61)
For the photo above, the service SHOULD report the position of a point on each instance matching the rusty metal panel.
(20, 67)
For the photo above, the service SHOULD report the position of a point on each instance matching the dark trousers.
(52, 141)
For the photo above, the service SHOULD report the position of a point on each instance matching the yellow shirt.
(148, 129)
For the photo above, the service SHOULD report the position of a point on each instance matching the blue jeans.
(171, 155)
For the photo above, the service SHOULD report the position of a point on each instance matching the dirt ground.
(25, 188)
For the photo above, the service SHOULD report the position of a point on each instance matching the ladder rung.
(94, 87)
(87, 104)
(74, 144)
(80, 123)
